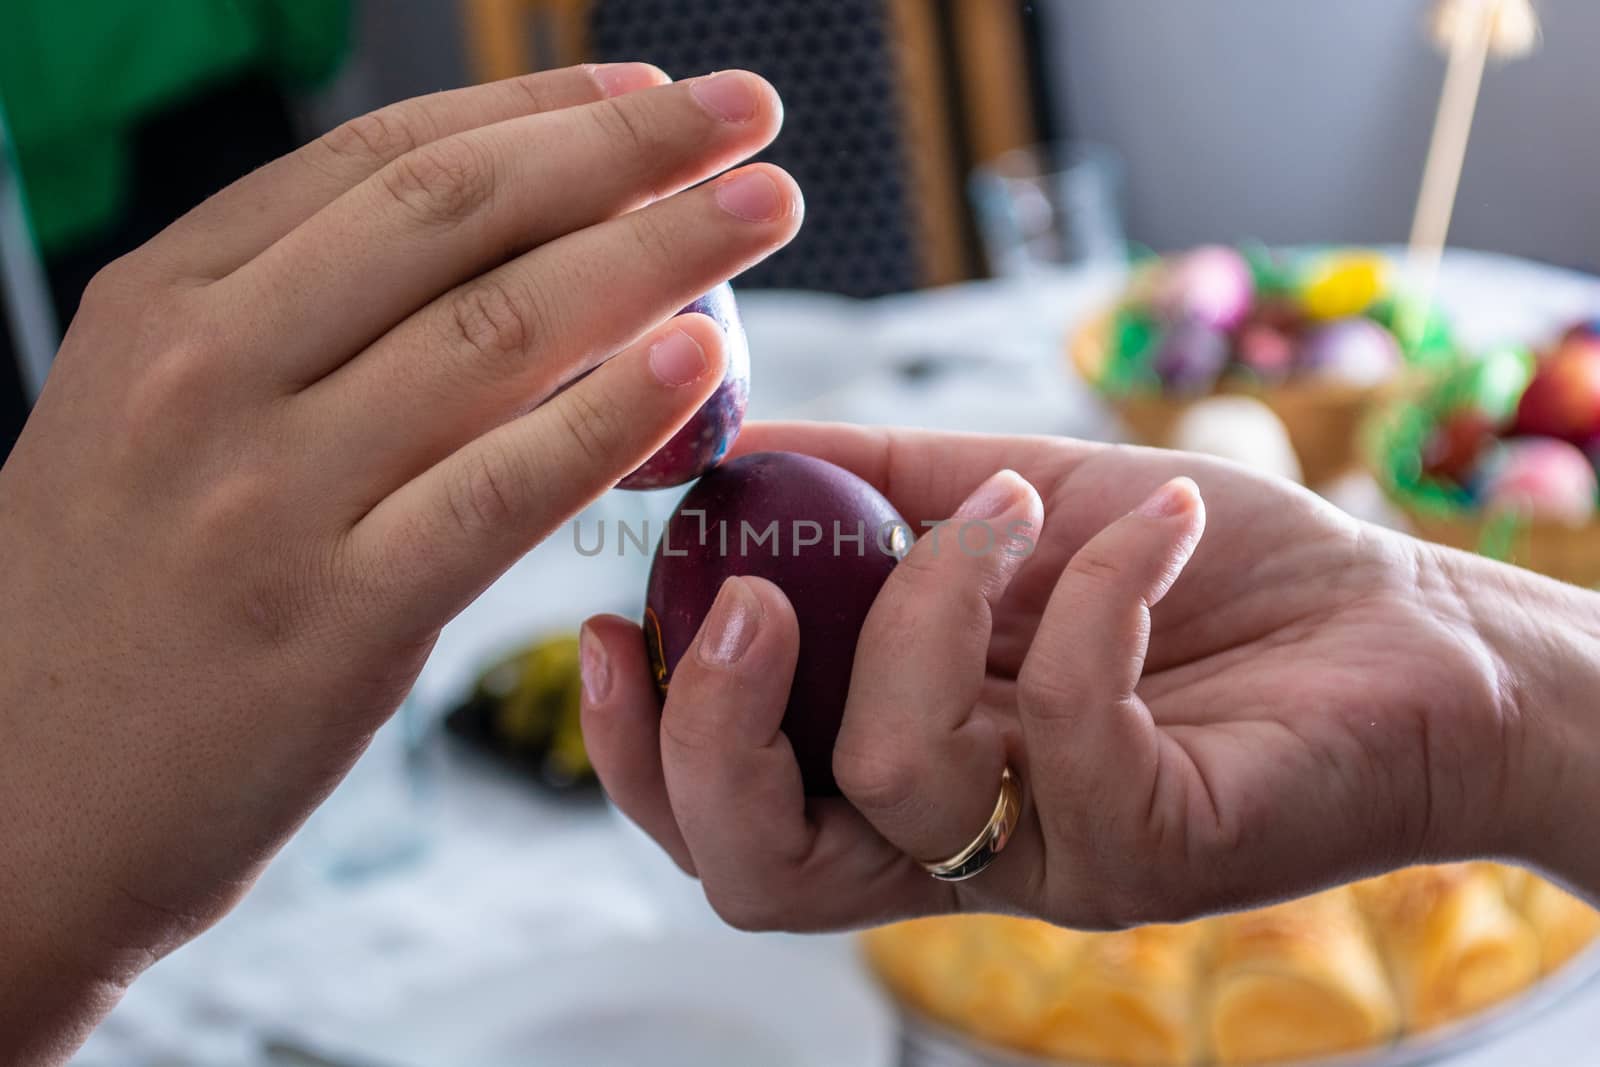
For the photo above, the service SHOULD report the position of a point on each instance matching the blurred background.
(1004, 205)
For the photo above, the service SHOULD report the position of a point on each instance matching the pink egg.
(1356, 351)
(1212, 286)
(1542, 478)
(1267, 352)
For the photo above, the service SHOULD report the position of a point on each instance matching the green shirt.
(77, 76)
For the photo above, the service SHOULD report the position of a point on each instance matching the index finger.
(925, 474)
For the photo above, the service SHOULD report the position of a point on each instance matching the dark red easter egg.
(822, 535)
(1457, 444)
(1563, 400)
(702, 441)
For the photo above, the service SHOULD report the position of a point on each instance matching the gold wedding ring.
(976, 857)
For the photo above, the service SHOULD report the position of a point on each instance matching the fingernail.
(677, 359)
(593, 666)
(731, 626)
(617, 79)
(728, 97)
(1174, 498)
(993, 498)
(751, 195)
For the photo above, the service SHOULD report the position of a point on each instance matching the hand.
(1201, 722)
(291, 437)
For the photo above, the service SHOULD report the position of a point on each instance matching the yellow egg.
(1344, 285)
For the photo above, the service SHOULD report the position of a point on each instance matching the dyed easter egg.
(1353, 351)
(1582, 331)
(1541, 478)
(1563, 400)
(822, 535)
(701, 442)
(1457, 445)
(1266, 352)
(1344, 285)
(1213, 286)
(1190, 358)
(1241, 429)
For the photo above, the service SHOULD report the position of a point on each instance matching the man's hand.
(1211, 705)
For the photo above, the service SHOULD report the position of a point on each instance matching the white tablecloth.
(503, 877)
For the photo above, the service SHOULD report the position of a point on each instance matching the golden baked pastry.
(1564, 924)
(988, 975)
(1295, 981)
(1333, 973)
(1453, 944)
(1129, 999)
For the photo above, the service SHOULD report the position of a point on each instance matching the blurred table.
(507, 877)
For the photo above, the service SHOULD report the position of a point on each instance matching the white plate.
(685, 1000)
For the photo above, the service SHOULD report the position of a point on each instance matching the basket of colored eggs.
(1316, 337)
(1501, 455)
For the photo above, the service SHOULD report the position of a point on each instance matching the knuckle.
(168, 392)
(116, 282)
(590, 423)
(1095, 568)
(374, 138)
(481, 496)
(656, 242)
(624, 123)
(440, 183)
(874, 778)
(491, 323)
(1042, 692)
(751, 913)
(688, 735)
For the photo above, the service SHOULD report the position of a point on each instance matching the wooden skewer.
(1472, 28)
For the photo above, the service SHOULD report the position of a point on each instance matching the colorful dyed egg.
(1191, 357)
(702, 442)
(1213, 286)
(1353, 351)
(1266, 352)
(1344, 285)
(1541, 478)
(1563, 400)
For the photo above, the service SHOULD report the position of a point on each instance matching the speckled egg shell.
(705, 439)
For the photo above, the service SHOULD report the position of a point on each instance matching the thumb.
(1089, 738)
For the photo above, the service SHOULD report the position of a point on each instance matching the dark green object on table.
(77, 76)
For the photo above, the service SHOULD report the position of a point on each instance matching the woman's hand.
(1201, 721)
(291, 437)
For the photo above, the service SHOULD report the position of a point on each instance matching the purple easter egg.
(1213, 286)
(1355, 351)
(702, 441)
(1542, 478)
(822, 535)
(1190, 358)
